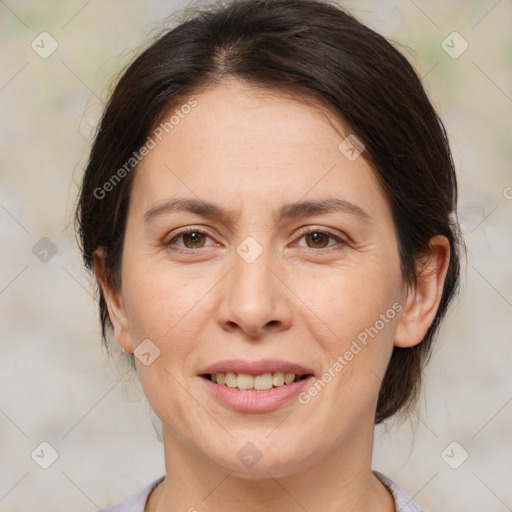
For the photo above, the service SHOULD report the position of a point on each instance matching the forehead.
(239, 142)
(233, 119)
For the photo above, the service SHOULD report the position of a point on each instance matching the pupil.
(194, 236)
(316, 237)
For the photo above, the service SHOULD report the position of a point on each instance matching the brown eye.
(318, 238)
(194, 238)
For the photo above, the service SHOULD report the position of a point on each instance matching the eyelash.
(185, 231)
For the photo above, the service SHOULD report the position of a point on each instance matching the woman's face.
(266, 287)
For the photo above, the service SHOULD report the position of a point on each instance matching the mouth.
(261, 382)
(255, 386)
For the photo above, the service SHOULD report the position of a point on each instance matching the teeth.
(278, 379)
(289, 378)
(262, 382)
(231, 380)
(245, 381)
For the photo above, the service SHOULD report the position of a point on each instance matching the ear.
(113, 298)
(423, 299)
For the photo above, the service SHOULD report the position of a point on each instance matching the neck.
(340, 481)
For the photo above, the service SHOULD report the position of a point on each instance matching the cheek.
(352, 313)
(156, 297)
(342, 301)
(356, 347)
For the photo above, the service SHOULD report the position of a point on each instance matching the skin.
(302, 300)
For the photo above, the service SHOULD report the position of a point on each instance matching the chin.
(260, 460)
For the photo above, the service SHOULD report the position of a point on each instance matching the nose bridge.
(251, 272)
(254, 296)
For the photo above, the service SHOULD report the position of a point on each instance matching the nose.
(255, 297)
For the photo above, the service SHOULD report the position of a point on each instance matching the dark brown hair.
(309, 49)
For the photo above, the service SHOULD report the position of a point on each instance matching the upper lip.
(256, 367)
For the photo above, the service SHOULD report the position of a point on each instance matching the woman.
(269, 211)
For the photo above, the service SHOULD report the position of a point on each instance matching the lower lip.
(255, 401)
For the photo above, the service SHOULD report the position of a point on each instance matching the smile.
(262, 382)
(255, 386)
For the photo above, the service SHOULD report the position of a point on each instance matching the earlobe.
(114, 302)
(424, 297)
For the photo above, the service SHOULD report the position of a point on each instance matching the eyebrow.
(286, 211)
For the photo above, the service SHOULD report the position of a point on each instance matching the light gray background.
(56, 384)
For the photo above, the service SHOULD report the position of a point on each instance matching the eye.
(319, 238)
(193, 239)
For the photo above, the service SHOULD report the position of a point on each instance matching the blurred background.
(75, 429)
